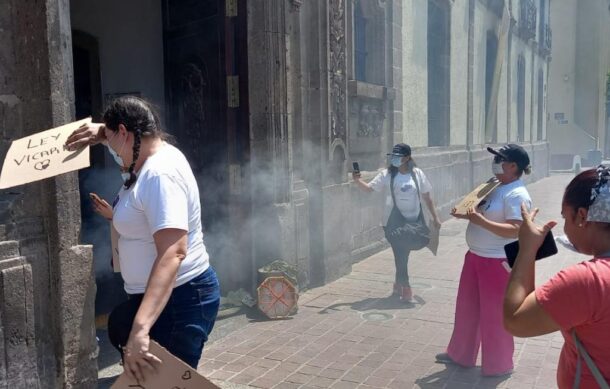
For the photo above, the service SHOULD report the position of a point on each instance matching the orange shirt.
(579, 297)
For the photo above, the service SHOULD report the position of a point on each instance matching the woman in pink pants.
(478, 312)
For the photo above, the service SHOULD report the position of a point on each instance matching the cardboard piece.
(42, 155)
(475, 197)
(171, 374)
(114, 243)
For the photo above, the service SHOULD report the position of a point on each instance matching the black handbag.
(414, 234)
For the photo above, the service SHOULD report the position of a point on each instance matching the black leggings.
(401, 252)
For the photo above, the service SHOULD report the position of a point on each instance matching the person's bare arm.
(361, 184)
(101, 206)
(86, 135)
(430, 203)
(171, 247)
(523, 316)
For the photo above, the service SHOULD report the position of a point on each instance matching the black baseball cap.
(401, 150)
(512, 153)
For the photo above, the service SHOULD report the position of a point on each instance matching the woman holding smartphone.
(405, 188)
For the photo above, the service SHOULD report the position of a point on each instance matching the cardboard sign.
(171, 374)
(474, 198)
(114, 243)
(42, 155)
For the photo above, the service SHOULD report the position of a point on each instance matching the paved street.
(350, 334)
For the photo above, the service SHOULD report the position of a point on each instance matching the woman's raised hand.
(531, 236)
(86, 135)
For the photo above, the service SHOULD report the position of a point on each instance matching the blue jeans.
(184, 324)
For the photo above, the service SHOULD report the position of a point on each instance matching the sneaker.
(406, 294)
(444, 358)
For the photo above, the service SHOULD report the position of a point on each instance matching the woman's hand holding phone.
(101, 206)
(531, 236)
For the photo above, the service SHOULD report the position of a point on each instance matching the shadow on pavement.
(436, 379)
(391, 302)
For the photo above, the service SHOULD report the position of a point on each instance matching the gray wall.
(130, 41)
(130, 35)
(577, 78)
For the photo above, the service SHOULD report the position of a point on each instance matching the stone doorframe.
(47, 327)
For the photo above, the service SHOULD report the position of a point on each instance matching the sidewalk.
(350, 334)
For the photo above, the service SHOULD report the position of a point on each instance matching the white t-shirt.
(503, 204)
(165, 195)
(407, 199)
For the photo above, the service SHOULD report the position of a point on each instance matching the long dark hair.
(140, 118)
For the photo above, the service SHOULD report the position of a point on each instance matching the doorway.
(97, 178)
(206, 106)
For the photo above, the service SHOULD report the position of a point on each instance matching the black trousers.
(401, 250)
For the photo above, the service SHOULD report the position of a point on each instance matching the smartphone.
(95, 197)
(356, 167)
(547, 249)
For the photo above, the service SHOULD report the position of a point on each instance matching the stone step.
(9, 249)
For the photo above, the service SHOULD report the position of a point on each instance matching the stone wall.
(47, 278)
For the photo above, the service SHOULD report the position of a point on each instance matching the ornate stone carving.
(338, 80)
(296, 4)
(194, 83)
(370, 120)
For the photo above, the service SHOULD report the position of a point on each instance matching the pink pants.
(478, 316)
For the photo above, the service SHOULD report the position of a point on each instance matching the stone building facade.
(271, 101)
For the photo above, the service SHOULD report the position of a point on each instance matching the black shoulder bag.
(415, 234)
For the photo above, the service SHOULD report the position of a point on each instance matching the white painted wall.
(130, 37)
(459, 72)
(415, 72)
(480, 48)
(503, 106)
(415, 126)
(578, 71)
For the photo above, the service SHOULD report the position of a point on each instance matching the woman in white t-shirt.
(173, 291)
(478, 312)
(408, 195)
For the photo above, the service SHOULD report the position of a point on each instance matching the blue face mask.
(396, 161)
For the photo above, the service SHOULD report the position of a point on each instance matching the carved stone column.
(337, 70)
